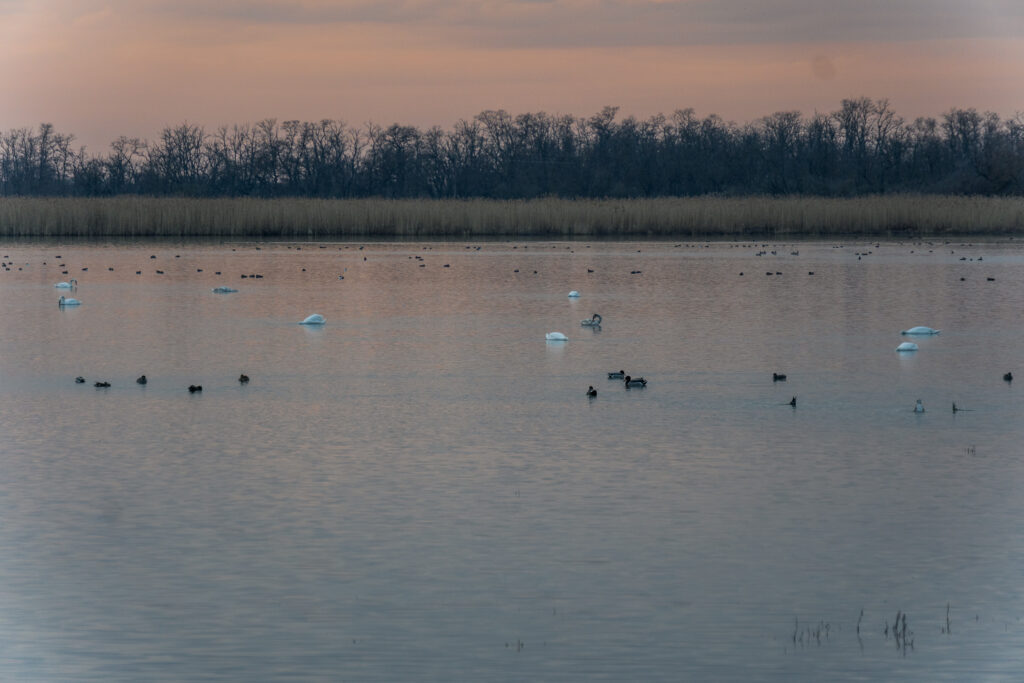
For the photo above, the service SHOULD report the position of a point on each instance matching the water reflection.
(403, 491)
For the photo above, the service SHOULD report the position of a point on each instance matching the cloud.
(558, 23)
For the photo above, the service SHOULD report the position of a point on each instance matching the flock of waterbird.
(593, 322)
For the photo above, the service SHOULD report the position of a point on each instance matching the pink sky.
(100, 69)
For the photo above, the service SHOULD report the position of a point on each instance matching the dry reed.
(699, 217)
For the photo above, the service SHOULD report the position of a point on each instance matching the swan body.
(920, 329)
(63, 301)
(593, 321)
(574, 294)
(223, 290)
(315, 319)
(616, 375)
(555, 336)
(907, 346)
(638, 382)
(73, 284)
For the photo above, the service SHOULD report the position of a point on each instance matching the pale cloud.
(577, 23)
(102, 68)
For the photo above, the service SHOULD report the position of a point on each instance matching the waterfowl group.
(193, 388)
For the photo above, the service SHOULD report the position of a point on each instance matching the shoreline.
(707, 217)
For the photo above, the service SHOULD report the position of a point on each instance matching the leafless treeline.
(862, 148)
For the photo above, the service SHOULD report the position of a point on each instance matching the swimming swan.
(555, 336)
(67, 285)
(68, 302)
(223, 290)
(594, 321)
(574, 294)
(315, 319)
(907, 346)
(920, 330)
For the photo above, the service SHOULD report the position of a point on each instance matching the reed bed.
(132, 217)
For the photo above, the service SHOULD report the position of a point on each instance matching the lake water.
(420, 489)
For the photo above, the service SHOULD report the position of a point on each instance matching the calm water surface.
(420, 490)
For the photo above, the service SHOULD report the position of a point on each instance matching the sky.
(104, 68)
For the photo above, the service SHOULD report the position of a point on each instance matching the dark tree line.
(863, 148)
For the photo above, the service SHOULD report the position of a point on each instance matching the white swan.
(574, 294)
(223, 290)
(907, 346)
(920, 330)
(555, 336)
(67, 285)
(315, 319)
(68, 302)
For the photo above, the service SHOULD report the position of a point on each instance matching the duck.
(141, 380)
(593, 321)
(64, 301)
(101, 384)
(71, 284)
(193, 388)
(616, 375)
(223, 290)
(919, 407)
(1008, 377)
(79, 380)
(776, 377)
(591, 392)
(639, 382)
(243, 379)
(315, 319)
(792, 401)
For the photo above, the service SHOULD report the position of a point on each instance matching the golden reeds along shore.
(131, 217)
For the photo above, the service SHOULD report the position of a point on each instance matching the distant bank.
(890, 216)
